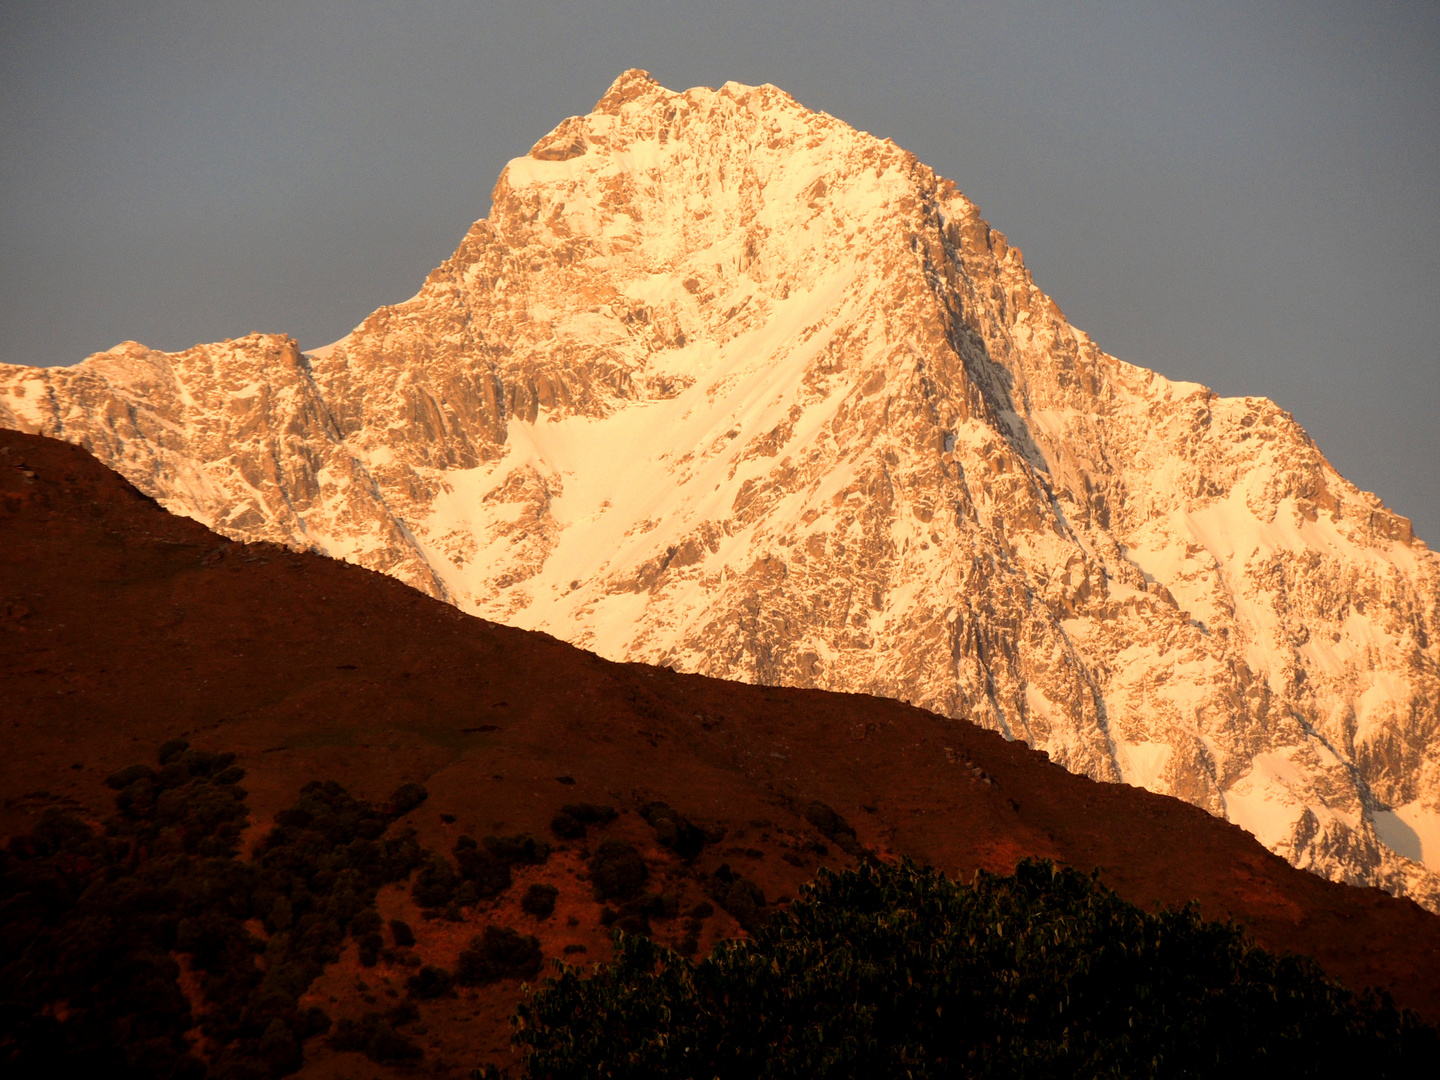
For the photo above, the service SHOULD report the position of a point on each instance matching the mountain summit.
(724, 384)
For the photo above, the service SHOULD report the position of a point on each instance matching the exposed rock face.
(725, 384)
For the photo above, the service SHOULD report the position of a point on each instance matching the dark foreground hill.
(122, 626)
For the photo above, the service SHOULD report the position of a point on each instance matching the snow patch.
(1264, 803)
(1412, 830)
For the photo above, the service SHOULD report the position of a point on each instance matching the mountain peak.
(631, 84)
(724, 384)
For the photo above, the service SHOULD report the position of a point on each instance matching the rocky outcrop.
(725, 384)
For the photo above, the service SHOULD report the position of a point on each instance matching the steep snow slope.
(725, 384)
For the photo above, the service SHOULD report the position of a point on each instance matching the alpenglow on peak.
(725, 384)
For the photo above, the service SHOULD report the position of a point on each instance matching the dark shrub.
(740, 896)
(590, 813)
(281, 916)
(279, 1049)
(435, 883)
(429, 982)
(567, 826)
(313, 1021)
(539, 900)
(294, 817)
(208, 817)
(521, 848)
(127, 776)
(634, 923)
(489, 875)
(370, 946)
(835, 827)
(401, 932)
(347, 1034)
(387, 1046)
(499, 953)
(392, 857)
(366, 922)
(673, 830)
(402, 1014)
(467, 895)
(171, 749)
(210, 763)
(616, 870)
(375, 1037)
(406, 798)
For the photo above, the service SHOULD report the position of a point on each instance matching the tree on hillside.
(897, 971)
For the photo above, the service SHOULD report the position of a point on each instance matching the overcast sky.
(1245, 195)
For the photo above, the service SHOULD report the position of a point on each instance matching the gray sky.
(1243, 194)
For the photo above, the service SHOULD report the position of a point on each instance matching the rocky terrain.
(725, 385)
(124, 627)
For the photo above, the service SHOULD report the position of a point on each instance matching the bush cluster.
(570, 822)
(839, 831)
(673, 830)
(741, 897)
(481, 871)
(898, 971)
(617, 871)
(377, 1036)
(539, 900)
(92, 922)
(694, 925)
(430, 981)
(499, 953)
(635, 914)
(522, 849)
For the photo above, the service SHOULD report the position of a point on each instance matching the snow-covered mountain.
(724, 384)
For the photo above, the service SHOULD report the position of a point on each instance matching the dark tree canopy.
(896, 971)
(93, 921)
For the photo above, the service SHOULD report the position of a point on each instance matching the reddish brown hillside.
(121, 626)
